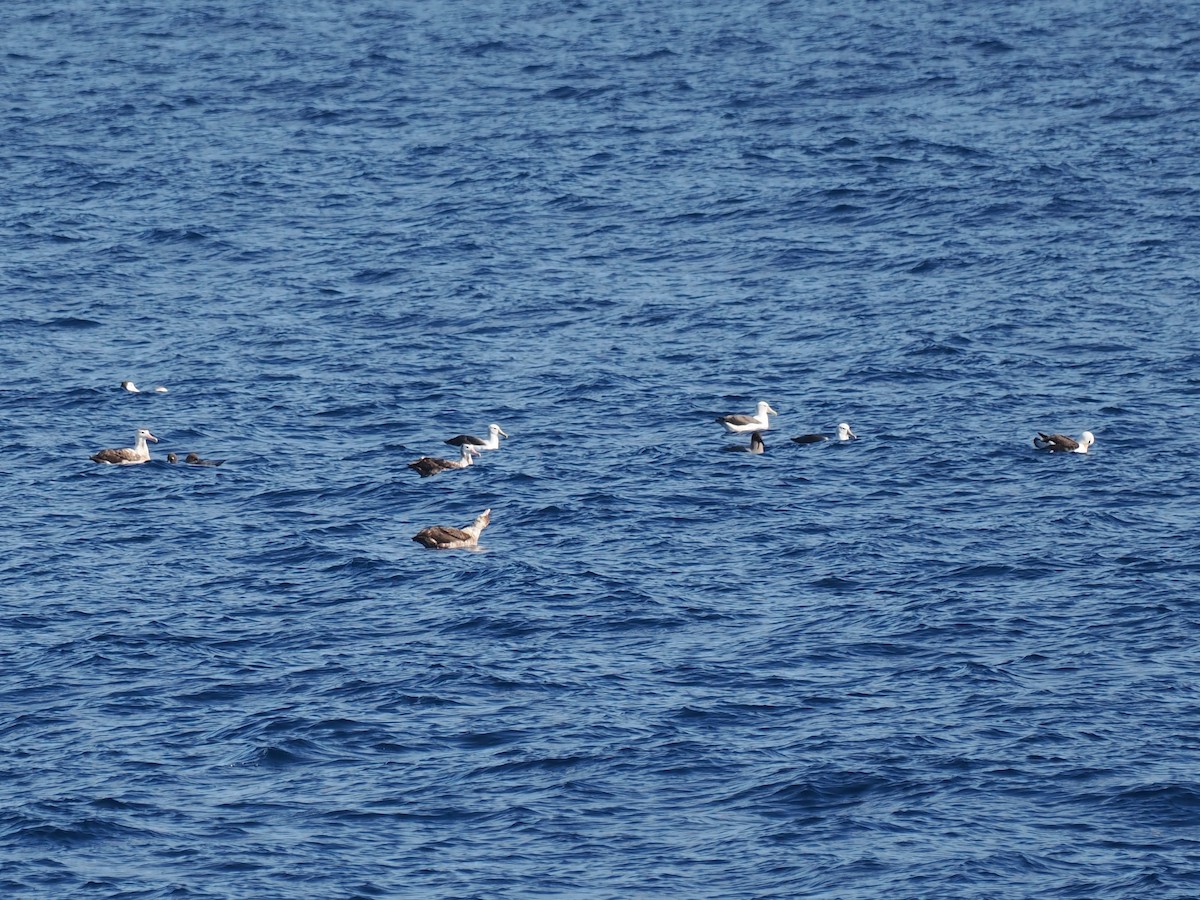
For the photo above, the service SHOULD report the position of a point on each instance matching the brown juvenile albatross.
(444, 537)
(128, 456)
(432, 465)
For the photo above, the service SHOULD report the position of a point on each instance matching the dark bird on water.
(756, 445)
(432, 465)
(197, 461)
(445, 537)
(843, 434)
(1062, 443)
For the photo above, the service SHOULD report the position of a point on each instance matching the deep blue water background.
(931, 663)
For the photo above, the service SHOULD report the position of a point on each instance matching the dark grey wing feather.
(440, 534)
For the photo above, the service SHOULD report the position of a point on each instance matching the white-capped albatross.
(843, 434)
(128, 456)
(491, 442)
(444, 537)
(756, 445)
(432, 465)
(1062, 443)
(134, 389)
(738, 423)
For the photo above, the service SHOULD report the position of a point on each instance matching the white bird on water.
(492, 442)
(737, 423)
(128, 456)
(134, 389)
(445, 537)
(1061, 443)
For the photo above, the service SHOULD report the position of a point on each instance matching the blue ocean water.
(932, 662)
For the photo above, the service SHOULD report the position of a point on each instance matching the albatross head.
(145, 435)
(130, 386)
(844, 432)
(1085, 440)
(496, 430)
(763, 408)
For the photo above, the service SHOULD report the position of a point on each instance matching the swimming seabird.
(757, 422)
(431, 465)
(134, 389)
(843, 434)
(1064, 444)
(127, 456)
(491, 442)
(756, 445)
(443, 537)
(195, 460)
(172, 458)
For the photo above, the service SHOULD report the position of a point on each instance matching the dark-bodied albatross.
(1061, 443)
(738, 423)
(128, 456)
(843, 434)
(195, 460)
(491, 442)
(756, 445)
(444, 537)
(432, 465)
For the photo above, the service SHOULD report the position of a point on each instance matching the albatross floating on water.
(740, 423)
(127, 456)
(756, 445)
(843, 434)
(195, 460)
(134, 389)
(443, 537)
(432, 465)
(492, 442)
(1063, 444)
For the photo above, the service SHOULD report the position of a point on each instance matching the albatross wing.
(1060, 442)
(123, 456)
(441, 536)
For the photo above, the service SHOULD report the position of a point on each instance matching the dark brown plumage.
(195, 460)
(432, 465)
(126, 456)
(756, 445)
(445, 537)
(1062, 443)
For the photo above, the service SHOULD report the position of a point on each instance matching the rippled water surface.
(931, 662)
